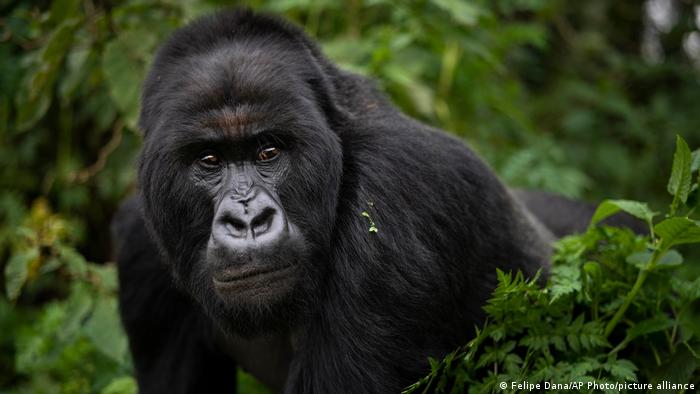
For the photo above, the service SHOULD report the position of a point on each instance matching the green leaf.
(104, 330)
(680, 368)
(608, 208)
(639, 259)
(677, 230)
(565, 279)
(104, 276)
(649, 326)
(622, 369)
(124, 64)
(462, 12)
(34, 99)
(671, 259)
(74, 261)
(62, 10)
(60, 42)
(434, 364)
(122, 385)
(30, 109)
(124, 80)
(17, 272)
(49, 265)
(77, 308)
(695, 162)
(248, 384)
(593, 269)
(688, 290)
(75, 73)
(679, 183)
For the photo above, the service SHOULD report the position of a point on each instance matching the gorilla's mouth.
(229, 275)
(255, 282)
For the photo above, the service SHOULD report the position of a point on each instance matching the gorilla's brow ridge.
(233, 122)
(226, 118)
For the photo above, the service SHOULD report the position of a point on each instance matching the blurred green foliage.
(555, 94)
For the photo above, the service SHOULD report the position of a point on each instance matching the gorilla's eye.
(209, 159)
(268, 153)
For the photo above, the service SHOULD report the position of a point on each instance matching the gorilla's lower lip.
(235, 275)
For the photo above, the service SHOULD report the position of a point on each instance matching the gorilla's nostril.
(262, 223)
(236, 227)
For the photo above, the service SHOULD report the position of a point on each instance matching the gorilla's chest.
(265, 357)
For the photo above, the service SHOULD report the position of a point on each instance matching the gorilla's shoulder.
(128, 223)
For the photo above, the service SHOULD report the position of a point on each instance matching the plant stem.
(641, 277)
(674, 206)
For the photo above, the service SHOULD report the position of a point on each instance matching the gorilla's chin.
(263, 302)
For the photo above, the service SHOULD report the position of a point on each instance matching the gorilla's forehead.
(236, 88)
(244, 73)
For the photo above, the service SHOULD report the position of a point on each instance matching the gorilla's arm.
(171, 341)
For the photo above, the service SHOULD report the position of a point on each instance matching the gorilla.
(292, 222)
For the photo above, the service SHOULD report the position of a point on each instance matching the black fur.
(366, 309)
(564, 216)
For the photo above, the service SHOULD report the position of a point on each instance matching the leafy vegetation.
(557, 95)
(615, 308)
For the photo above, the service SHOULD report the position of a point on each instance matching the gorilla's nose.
(249, 220)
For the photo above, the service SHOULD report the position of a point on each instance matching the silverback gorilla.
(263, 168)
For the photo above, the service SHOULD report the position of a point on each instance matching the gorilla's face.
(240, 173)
